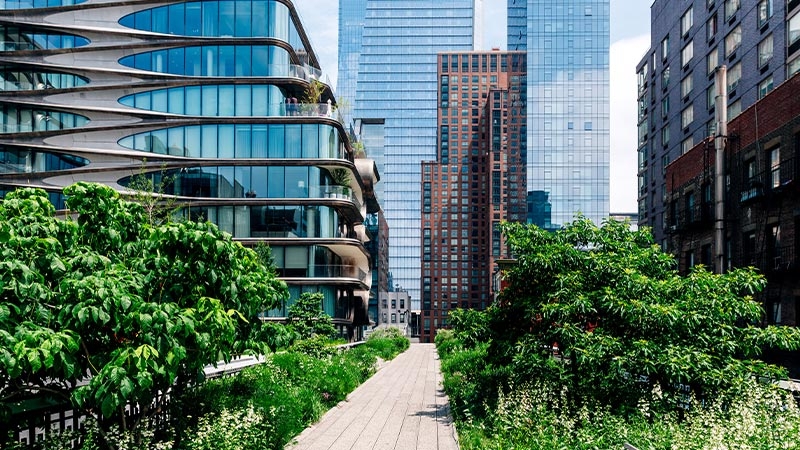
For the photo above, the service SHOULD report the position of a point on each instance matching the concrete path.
(402, 407)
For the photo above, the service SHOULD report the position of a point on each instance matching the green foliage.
(387, 342)
(316, 346)
(341, 177)
(276, 336)
(158, 207)
(231, 429)
(535, 416)
(314, 91)
(275, 400)
(307, 318)
(622, 319)
(137, 306)
(598, 341)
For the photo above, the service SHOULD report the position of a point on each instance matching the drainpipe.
(720, 139)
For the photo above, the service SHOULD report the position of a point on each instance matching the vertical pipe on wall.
(720, 139)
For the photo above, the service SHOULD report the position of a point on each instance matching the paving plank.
(402, 407)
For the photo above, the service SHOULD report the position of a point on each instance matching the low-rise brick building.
(761, 201)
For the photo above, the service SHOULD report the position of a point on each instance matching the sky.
(630, 39)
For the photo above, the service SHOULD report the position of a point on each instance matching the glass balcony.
(326, 271)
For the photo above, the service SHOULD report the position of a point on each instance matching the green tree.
(139, 307)
(307, 317)
(602, 312)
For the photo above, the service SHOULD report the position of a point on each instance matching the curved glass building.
(224, 97)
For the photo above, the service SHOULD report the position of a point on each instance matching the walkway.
(402, 407)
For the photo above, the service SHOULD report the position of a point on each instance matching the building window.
(403, 316)
(665, 106)
(687, 53)
(705, 255)
(686, 86)
(394, 318)
(687, 116)
(665, 77)
(686, 21)
(764, 12)
(689, 260)
(731, 6)
(733, 40)
(775, 167)
(765, 51)
(774, 249)
(765, 87)
(712, 60)
(794, 29)
(793, 67)
(665, 48)
(687, 144)
(749, 250)
(691, 217)
(711, 97)
(711, 27)
(734, 109)
(665, 135)
(734, 75)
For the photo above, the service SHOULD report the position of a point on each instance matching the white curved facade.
(214, 94)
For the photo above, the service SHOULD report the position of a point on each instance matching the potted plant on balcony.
(341, 178)
(311, 102)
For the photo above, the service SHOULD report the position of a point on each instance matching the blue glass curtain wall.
(12, 79)
(257, 18)
(214, 61)
(16, 160)
(242, 141)
(29, 4)
(23, 120)
(268, 221)
(329, 302)
(242, 182)
(212, 100)
(15, 39)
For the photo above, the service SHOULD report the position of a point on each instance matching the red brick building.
(762, 201)
(477, 181)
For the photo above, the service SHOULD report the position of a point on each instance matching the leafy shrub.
(307, 317)
(363, 358)
(470, 382)
(446, 342)
(231, 429)
(316, 346)
(387, 342)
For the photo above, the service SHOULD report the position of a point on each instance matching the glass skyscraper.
(351, 26)
(568, 106)
(396, 81)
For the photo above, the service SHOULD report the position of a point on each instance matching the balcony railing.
(751, 190)
(342, 192)
(308, 110)
(327, 271)
(781, 259)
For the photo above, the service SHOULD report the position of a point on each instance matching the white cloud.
(625, 54)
